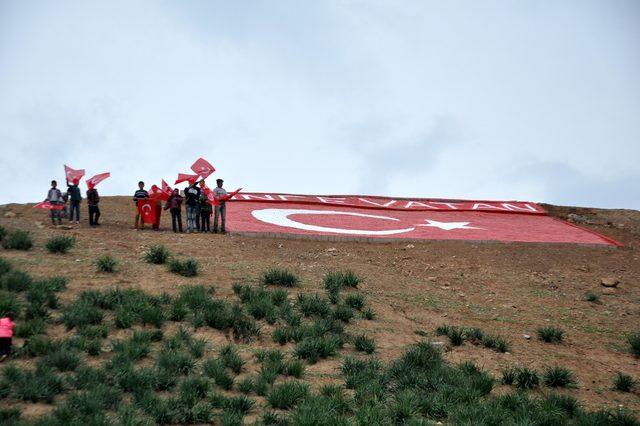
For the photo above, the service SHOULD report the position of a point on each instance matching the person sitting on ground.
(93, 198)
(192, 200)
(75, 197)
(205, 212)
(6, 335)
(140, 194)
(174, 205)
(219, 194)
(54, 197)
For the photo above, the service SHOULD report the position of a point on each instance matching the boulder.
(9, 214)
(609, 282)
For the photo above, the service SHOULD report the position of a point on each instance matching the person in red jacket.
(6, 335)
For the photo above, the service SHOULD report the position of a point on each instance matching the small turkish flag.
(147, 210)
(73, 174)
(184, 177)
(98, 178)
(166, 188)
(203, 168)
(227, 197)
(48, 205)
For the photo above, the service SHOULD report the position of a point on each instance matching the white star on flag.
(447, 226)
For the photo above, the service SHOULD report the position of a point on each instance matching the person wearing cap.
(140, 194)
(54, 197)
(74, 199)
(220, 209)
(92, 201)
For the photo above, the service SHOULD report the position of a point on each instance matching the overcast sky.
(529, 100)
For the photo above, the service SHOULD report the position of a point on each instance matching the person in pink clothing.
(6, 333)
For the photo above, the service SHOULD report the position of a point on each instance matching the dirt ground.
(509, 289)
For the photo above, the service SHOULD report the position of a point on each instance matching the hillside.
(506, 289)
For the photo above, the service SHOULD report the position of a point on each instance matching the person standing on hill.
(54, 196)
(92, 201)
(192, 200)
(74, 199)
(6, 335)
(140, 194)
(174, 205)
(205, 212)
(219, 193)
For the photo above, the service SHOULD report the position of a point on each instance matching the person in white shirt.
(219, 193)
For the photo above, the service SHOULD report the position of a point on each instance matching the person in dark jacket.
(92, 201)
(74, 199)
(174, 205)
(205, 213)
(192, 200)
(54, 196)
(140, 194)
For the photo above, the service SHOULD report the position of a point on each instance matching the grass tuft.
(592, 297)
(364, 344)
(623, 382)
(634, 343)
(17, 240)
(550, 334)
(16, 280)
(60, 244)
(287, 394)
(280, 276)
(355, 300)
(106, 263)
(157, 255)
(186, 268)
(558, 377)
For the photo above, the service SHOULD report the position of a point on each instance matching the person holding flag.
(192, 200)
(140, 194)
(74, 199)
(92, 202)
(205, 208)
(174, 205)
(54, 197)
(219, 194)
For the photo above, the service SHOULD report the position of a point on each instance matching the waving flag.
(73, 174)
(184, 177)
(156, 192)
(147, 209)
(98, 178)
(166, 188)
(203, 168)
(227, 197)
(47, 205)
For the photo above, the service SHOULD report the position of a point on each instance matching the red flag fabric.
(156, 192)
(227, 197)
(166, 188)
(147, 210)
(184, 177)
(47, 205)
(203, 168)
(98, 178)
(73, 174)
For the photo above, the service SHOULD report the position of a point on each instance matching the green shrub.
(591, 297)
(343, 313)
(30, 328)
(526, 378)
(293, 368)
(37, 346)
(3, 232)
(17, 240)
(39, 385)
(157, 255)
(634, 343)
(314, 348)
(368, 314)
(216, 370)
(550, 334)
(279, 296)
(10, 416)
(341, 279)
(62, 359)
(5, 266)
(287, 395)
(9, 305)
(16, 280)
(93, 331)
(355, 300)
(231, 359)
(474, 335)
(509, 376)
(623, 382)
(243, 326)
(239, 404)
(278, 276)
(106, 263)
(176, 362)
(60, 244)
(246, 385)
(79, 314)
(186, 268)
(495, 342)
(313, 305)
(280, 335)
(558, 377)
(364, 344)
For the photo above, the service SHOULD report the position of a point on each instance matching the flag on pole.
(47, 205)
(73, 174)
(182, 177)
(203, 168)
(98, 178)
(147, 210)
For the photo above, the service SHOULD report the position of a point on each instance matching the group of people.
(197, 205)
(67, 203)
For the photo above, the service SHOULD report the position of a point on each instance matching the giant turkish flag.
(147, 209)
